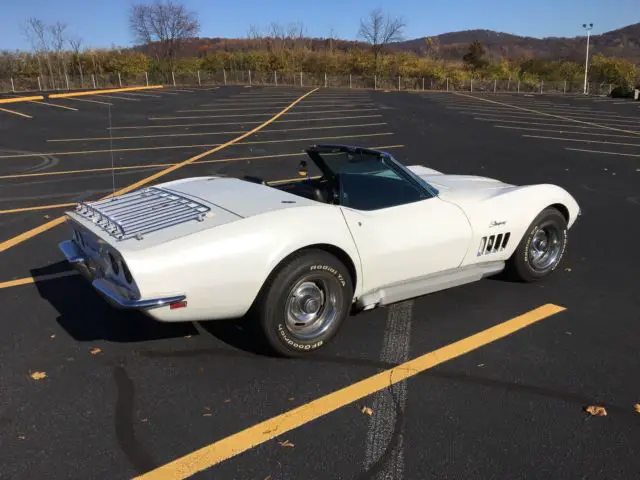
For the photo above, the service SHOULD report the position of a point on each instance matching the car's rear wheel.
(304, 303)
(542, 248)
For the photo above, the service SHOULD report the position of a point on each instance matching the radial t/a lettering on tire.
(542, 248)
(304, 303)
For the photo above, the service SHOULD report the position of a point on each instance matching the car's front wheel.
(542, 248)
(304, 303)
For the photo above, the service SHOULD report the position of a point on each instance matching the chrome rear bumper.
(110, 291)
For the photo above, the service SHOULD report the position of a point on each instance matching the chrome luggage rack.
(136, 214)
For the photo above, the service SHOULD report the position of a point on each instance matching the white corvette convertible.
(295, 259)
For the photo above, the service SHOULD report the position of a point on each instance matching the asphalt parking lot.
(90, 392)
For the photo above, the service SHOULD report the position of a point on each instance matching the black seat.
(320, 194)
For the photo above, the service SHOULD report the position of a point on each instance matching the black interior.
(319, 190)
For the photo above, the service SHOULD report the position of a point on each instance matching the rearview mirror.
(302, 169)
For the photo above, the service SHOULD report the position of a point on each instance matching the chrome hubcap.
(544, 248)
(310, 309)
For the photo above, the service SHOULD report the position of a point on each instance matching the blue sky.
(104, 23)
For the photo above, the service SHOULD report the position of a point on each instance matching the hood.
(462, 188)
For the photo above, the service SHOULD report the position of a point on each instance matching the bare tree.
(36, 32)
(58, 39)
(165, 26)
(76, 45)
(379, 31)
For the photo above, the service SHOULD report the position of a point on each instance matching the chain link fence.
(300, 79)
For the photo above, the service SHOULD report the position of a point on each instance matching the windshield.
(368, 181)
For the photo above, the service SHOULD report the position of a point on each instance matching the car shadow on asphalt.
(87, 317)
(239, 335)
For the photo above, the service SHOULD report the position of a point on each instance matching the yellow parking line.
(271, 428)
(264, 114)
(97, 92)
(53, 223)
(40, 278)
(169, 147)
(324, 127)
(55, 105)
(39, 207)
(548, 114)
(181, 125)
(21, 99)
(15, 113)
(162, 165)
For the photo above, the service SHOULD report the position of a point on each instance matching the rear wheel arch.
(329, 265)
(334, 250)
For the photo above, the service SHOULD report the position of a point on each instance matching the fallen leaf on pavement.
(286, 443)
(596, 411)
(636, 407)
(366, 410)
(95, 351)
(38, 375)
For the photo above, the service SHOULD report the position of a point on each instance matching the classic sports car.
(298, 257)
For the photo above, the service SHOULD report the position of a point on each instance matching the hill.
(623, 43)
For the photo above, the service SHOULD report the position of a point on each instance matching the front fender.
(512, 213)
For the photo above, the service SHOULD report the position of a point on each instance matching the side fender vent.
(493, 243)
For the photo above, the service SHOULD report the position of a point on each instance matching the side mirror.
(302, 169)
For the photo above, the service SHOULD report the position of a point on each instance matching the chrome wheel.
(545, 247)
(311, 308)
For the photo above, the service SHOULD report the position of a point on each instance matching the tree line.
(166, 32)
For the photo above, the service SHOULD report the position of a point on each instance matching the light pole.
(586, 62)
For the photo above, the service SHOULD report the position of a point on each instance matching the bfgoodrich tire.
(542, 248)
(304, 303)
